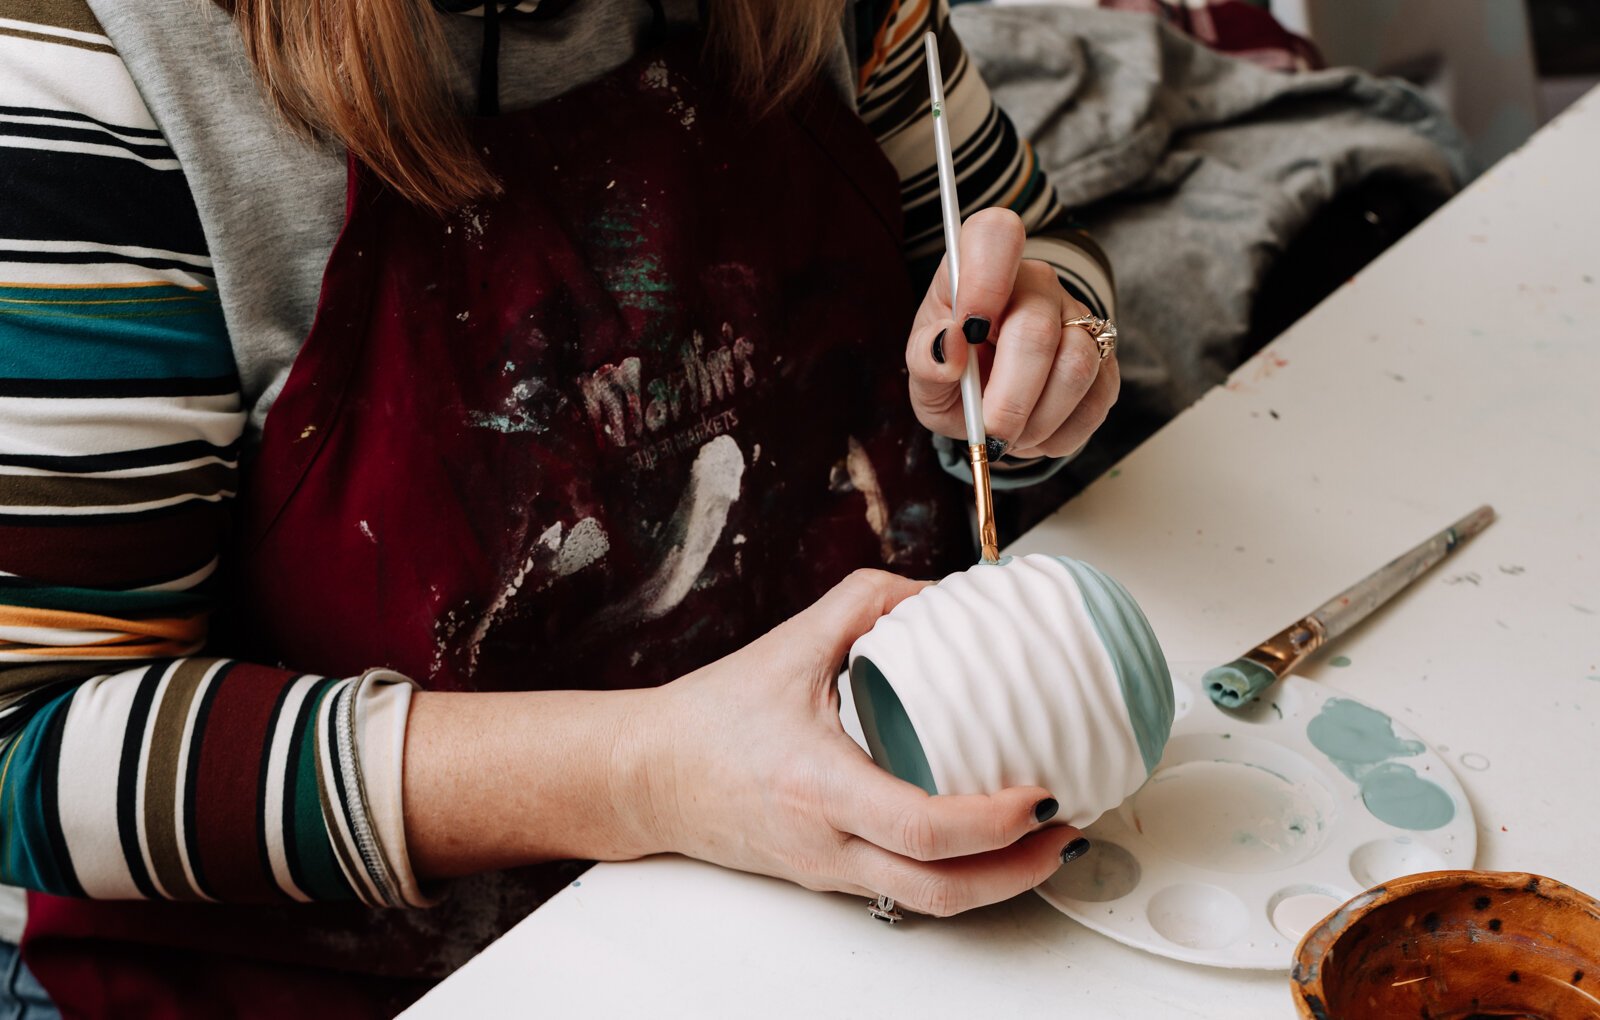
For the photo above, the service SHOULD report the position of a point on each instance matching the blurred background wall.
(1474, 56)
(1502, 67)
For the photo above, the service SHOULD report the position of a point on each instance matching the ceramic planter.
(1040, 670)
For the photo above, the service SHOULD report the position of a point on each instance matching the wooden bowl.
(1451, 945)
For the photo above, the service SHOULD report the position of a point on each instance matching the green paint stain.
(1361, 742)
(635, 277)
(1115, 472)
(1396, 794)
(1340, 661)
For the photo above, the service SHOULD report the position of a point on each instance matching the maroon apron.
(593, 433)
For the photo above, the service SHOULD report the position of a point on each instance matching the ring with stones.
(1103, 331)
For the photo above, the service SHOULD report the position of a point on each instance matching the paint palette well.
(1259, 822)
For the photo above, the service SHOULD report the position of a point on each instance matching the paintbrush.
(883, 907)
(971, 384)
(1246, 677)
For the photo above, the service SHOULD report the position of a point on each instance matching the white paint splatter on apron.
(714, 485)
(865, 480)
(586, 543)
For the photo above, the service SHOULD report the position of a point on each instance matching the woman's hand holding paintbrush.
(1047, 389)
(1050, 382)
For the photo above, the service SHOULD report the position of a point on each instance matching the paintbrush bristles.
(988, 542)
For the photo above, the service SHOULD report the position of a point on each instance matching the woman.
(601, 387)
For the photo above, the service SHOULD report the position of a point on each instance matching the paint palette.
(1259, 822)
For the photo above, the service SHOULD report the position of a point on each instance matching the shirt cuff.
(375, 725)
(1081, 266)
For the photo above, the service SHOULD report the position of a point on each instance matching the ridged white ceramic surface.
(1039, 670)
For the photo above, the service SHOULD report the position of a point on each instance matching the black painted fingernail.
(1045, 810)
(938, 346)
(1072, 851)
(996, 448)
(975, 329)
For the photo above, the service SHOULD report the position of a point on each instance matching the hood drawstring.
(489, 61)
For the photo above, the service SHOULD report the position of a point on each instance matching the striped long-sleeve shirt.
(127, 768)
(130, 766)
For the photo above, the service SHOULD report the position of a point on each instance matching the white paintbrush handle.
(950, 206)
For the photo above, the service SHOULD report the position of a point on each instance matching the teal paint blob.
(1355, 737)
(1141, 667)
(1395, 794)
(888, 729)
(1340, 661)
(1361, 743)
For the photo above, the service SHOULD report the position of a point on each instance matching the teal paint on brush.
(1141, 667)
(1235, 683)
(1361, 742)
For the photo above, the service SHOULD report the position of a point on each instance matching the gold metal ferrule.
(988, 542)
(1286, 649)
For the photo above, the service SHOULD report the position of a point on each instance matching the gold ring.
(1103, 332)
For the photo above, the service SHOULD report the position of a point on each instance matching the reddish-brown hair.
(367, 75)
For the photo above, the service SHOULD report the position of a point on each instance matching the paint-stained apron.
(594, 433)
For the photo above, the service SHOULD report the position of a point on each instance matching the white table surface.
(1463, 367)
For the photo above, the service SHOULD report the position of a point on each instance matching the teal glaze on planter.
(1355, 737)
(1394, 793)
(1141, 667)
(890, 736)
